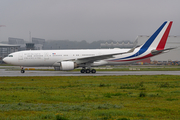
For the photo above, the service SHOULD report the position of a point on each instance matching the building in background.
(15, 41)
(122, 44)
(39, 43)
(6, 49)
(30, 46)
(38, 40)
(18, 44)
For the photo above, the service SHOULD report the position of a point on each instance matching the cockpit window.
(10, 55)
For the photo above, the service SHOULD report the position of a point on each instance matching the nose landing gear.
(22, 70)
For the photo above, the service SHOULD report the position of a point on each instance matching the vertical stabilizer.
(156, 42)
(159, 38)
(163, 40)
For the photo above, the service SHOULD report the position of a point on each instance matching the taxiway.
(4, 72)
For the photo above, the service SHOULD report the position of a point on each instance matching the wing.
(91, 59)
(96, 58)
(101, 57)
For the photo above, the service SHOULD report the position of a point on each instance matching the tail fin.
(153, 46)
(163, 40)
(159, 38)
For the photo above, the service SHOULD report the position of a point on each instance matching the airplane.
(87, 58)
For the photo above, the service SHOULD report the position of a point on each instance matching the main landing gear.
(88, 70)
(22, 70)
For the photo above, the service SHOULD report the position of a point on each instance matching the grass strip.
(90, 97)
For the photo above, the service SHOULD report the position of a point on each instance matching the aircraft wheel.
(83, 70)
(93, 71)
(22, 71)
(88, 71)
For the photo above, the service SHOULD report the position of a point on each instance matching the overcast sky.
(88, 20)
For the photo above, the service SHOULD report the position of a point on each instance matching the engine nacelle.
(66, 65)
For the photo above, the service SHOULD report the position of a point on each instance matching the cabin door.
(20, 56)
(46, 56)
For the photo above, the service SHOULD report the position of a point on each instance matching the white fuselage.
(70, 59)
(33, 58)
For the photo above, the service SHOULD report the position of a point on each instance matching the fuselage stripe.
(144, 57)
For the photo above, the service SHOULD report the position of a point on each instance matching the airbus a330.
(88, 58)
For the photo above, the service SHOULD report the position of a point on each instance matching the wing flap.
(96, 58)
(91, 59)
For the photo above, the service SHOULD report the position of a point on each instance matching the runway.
(4, 72)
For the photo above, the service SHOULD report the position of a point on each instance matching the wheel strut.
(22, 70)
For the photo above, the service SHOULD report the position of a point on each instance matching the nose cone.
(6, 60)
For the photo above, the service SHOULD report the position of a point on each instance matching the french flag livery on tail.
(153, 46)
(87, 58)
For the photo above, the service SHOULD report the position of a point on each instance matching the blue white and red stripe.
(156, 42)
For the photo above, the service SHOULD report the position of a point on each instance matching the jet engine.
(66, 65)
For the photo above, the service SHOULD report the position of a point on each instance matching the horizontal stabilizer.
(155, 52)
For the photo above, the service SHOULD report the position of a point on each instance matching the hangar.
(6, 49)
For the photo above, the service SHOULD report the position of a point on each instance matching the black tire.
(22, 71)
(93, 71)
(83, 70)
(88, 70)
